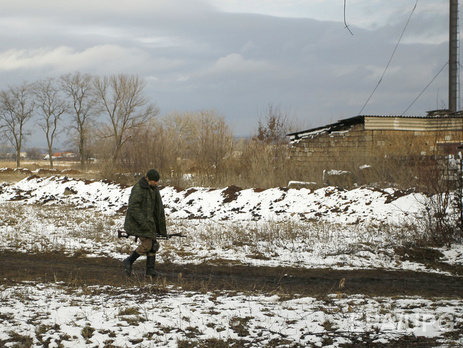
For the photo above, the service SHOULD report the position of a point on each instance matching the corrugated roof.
(347, 122)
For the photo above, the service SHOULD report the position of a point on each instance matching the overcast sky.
(238, 56)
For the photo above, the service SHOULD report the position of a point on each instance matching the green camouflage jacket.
(145, 213)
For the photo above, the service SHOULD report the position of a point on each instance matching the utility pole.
(453, 56)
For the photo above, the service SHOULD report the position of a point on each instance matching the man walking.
(145, 219)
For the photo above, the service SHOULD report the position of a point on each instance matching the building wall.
(346, 150)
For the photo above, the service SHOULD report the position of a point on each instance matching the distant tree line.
(117, 102)
(199, 148)
(111, 118)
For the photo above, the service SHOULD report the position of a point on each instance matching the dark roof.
(334, 127)
(348, 122)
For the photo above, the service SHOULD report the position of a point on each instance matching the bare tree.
(201, 142)
(214, 142)
(150, 147)
(51, 106)
(82, 101)
(121, 99)
(273, 126)
(16, 109)
(265, 158)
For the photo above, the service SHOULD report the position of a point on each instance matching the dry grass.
(10, 173)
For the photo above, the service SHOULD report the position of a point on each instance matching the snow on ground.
(49, 313)
(326, 204)
(327, 227)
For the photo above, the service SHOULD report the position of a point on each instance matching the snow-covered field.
(327, 228)
(78, 318)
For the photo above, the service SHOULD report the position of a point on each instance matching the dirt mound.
(231, 193)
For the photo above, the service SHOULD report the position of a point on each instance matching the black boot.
(129, 261)
(150, 271)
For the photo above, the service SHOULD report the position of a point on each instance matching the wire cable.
(390, 59)
(345, 22)
(419, 95)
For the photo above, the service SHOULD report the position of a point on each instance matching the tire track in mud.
(81, 271)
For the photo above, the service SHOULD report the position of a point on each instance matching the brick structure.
(369, 140)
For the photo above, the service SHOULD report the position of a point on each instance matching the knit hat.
(153, 175)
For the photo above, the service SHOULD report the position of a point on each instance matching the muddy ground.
(81, 271)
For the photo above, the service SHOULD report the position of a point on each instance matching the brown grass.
(10, 173)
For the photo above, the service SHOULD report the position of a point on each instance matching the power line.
(345, 22)
(419, 95)
(390, 59)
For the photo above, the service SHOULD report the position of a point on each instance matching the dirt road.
(77, 271)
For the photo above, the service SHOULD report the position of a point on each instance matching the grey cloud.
(195, 57)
